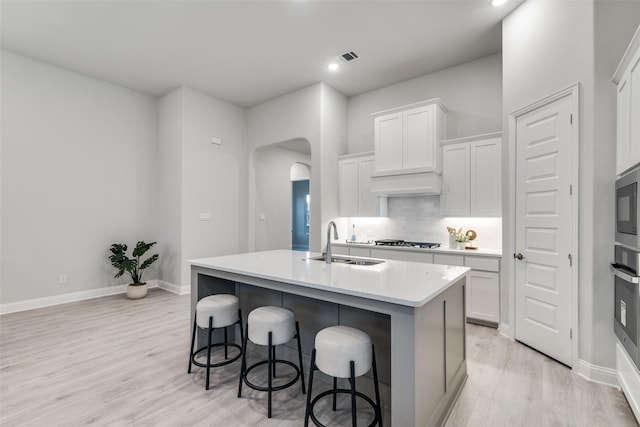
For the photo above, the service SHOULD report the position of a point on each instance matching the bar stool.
(214, 312)
(271, 326)
(343, 352)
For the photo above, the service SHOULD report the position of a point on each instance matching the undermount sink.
(347, 260)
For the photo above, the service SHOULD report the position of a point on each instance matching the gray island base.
(413, 311)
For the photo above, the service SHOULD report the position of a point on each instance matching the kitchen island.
(414, 312)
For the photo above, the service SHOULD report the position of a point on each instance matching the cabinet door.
(634, 113)
(418, 144)
(623, 125)
(455, 180)
(367, 201)
(485, 181)
(388, 142)
(483, 296)
(348, 187)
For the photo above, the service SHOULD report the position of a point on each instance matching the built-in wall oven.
(627, 299)
(627, 209)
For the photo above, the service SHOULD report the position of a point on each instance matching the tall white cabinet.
(355, 198)
(471, 176)
(627, 79)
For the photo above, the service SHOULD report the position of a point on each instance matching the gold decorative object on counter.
(472, 235)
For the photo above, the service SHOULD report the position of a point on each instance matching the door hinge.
(570, 119)
(570, 260)
(571, 333)
(571, 189)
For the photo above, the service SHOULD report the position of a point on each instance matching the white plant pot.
(137, 291)
(462, 245)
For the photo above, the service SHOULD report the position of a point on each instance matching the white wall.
(333, 143)
(549, 46)
(292, 116)
(214, 179)
(472, 92)
(273, 195)
(169, 183)
(78, 171)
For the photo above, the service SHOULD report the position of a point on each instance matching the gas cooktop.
(402, 243)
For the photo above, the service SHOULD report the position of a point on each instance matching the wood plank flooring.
(116, 362)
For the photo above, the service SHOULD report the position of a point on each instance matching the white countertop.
(495, 253)
(400, 282)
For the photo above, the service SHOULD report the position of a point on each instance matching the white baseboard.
(14, 307)
(503, 329)
(597, 374)
(629, 378)
(172, 287)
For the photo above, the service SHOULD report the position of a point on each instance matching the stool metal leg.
(300, 357)
(243, 365)
(311, 369)
(273, 357)
(193, 341)
(335, 387)
(269, 368)
(375, 384)
(209, 351)
(353, 393)
(226, 355)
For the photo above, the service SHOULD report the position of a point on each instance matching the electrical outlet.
(62, 280)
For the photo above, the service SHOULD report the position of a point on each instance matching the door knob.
(519, 256)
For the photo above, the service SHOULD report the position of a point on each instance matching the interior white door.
(543, 229)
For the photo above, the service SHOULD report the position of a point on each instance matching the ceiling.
(247, 52)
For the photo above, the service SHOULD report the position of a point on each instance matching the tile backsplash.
(418, 219)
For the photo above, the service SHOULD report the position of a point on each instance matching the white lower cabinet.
(402, 255)
(365, 252)
(482, 291)
(483, 299)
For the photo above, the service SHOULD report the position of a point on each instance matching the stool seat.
(336, 346)
(223, 308)
(280, 321)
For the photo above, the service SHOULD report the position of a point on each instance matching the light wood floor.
(112, 361)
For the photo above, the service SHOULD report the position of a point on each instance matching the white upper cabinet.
(354, 187)
(455, 200)
(627, 78)
(388, 142)
(419, 148)
(407, 155)
(471, 176)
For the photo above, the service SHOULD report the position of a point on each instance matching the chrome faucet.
(327, 250)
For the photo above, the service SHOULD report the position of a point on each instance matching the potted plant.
(124, 264)
(461, 240)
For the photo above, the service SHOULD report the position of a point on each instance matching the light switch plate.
(205, 217)
(217, 141)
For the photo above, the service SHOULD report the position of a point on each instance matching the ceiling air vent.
(349, 56)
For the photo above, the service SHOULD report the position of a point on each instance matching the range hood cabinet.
(424, 182)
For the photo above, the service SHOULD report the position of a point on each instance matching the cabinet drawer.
(482, 263)
(339, 250)
(365, 252)
(448, 259)
(402, 255)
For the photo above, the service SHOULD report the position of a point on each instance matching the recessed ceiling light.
(334, 66)
(498, 2)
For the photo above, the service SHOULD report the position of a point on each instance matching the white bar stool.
(343, 352)
(214, 312)
(271, 326)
